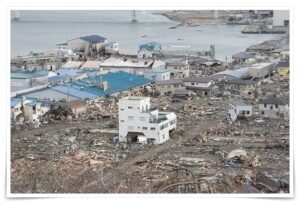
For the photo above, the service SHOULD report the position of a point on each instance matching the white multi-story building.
(239, 109)
(138, 122)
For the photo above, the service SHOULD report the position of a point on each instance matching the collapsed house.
(139, 123)
(274, 107)
(28, 108)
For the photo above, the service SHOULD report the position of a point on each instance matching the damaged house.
(139, 123)
(274, 107)
(203, 86)
(248, 89)
(167, 87)
(178, 67)
(239, 109)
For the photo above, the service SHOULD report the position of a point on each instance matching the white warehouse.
(138, 122)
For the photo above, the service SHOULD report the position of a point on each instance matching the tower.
(133, 16)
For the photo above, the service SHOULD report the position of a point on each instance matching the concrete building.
(281, 18)
(25, 80)
(111, 47)
(179, 68)
(246, 88)
(138, 122)
(201, 86)
(17, 107)
(33, 110)
(157, 74)
(239, 109)
(87, 44)
(274, 107)
(260, 70)
(167, 87)
(228, 75)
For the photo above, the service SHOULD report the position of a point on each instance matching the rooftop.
(242, 82)
(15, 101)
(155, 71)
(238, 73)
(239, 103)
(28, 75)
(93, 38)
(261, 65)
(151, 46)
(87, 88)
(118, 62)
(197, 79)
(169, 82)
(135, 98)
(276, 101)
(243, 55)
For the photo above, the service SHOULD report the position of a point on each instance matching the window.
(248, 112)
(122, 121)
(130, 107)
(276, 105)
(144, 128)
(192, 83)
(271, 107)
(265, 105)
(121, 109)
(152, 128)
(130, 117)
(263, 112)
(142, 119)
(164, 126)
(172, 122)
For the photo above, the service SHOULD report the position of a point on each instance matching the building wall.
(168, 89)
(78, 45)
(178, 71)
(114, 48)
(198, 84)
(158, 76)
(261, 72)
(50, 94)
(271, 111)
(145, 54)
(279, 16)
(15, 111)
(135, 116)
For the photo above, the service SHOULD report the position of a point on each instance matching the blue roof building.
(117, 82)
(93, 38)
(151, 46)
